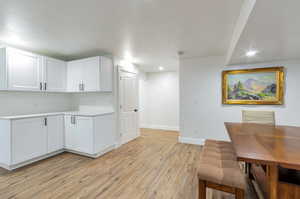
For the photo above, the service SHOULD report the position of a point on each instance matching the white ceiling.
(152, 31)
(273, 30)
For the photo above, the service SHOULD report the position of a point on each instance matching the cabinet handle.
(41, 86)
(45, 121)
(73, 121)
(81, 86)
(45, 86)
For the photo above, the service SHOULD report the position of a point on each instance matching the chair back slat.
(261, 117)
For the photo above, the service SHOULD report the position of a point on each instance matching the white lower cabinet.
(55, 133)
(29, 139)
(104, 132)
(26, 140)
(79, 134)
(92, 136)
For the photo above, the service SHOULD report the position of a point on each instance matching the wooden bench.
(219, 169)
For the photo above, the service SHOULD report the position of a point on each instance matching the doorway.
(128, 100)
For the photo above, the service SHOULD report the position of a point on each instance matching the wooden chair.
(220, 170)
(261, 117)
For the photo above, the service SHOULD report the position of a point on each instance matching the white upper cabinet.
(21, 70)
(106, 74)
(55, 74)
(74, 70)
(90, 75)
(24, 70)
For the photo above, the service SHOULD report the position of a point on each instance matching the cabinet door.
(55, 74)
(74, 75)
(29, 139)
(24, 70)
(91, 70)
(79, 134)
(70, 129)
(55, 133)
(106, 74)
(105, 135)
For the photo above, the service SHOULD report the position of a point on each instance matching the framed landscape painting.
(253, 86)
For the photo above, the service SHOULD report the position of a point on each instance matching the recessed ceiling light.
(251, 53)
(160, 68)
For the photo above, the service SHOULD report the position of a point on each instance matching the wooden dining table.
(274, 147)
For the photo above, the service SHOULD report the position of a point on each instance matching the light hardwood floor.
(154, 166)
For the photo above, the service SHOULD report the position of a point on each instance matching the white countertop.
(75, 113)
(89, 113)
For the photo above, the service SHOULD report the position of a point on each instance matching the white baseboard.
(96, 155)
(15, 166)
(161, 127)
(188, 140)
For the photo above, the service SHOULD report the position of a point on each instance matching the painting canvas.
(253, 86)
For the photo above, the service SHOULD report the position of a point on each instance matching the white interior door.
(128, 106)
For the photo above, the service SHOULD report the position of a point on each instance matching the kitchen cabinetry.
(91, 74)
(91, 136)
(26, 140)
(20, 70)
(55, 74)
(55, 133)
(24, 71)
(29, 139)
(79, 134)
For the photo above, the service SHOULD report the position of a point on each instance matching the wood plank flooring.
(154, 166)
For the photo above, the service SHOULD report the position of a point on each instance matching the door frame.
(120, 70)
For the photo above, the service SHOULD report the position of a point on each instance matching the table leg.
(272, 181)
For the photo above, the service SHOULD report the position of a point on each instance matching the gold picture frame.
(263, 86)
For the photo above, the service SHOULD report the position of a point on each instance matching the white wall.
(15, 103)
(142, 98)
(18, 103)
(93, 99)
(202, 114)
(160, 100)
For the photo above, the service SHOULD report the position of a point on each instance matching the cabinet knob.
(41, 86)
